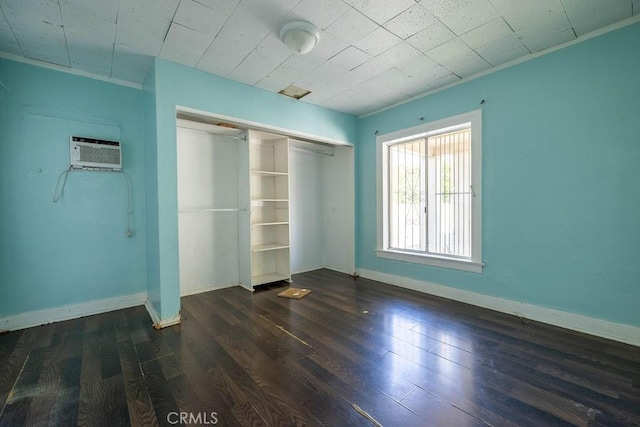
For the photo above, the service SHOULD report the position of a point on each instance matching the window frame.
(383, 142)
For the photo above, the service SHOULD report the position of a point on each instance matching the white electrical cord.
(65, 173)
(64, 183)
(128, 233)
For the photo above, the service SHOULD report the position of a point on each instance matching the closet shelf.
(270, 223)
(269, 247)
(268, 278)
(269, 200)
(268, 173)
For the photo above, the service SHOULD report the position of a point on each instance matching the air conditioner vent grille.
(99, 154)
(88, 153)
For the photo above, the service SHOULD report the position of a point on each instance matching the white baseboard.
(187, 292)
(155, 317)
(602, 328)
(59, 314)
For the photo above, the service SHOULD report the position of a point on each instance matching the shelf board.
(271, 223)
(269, 200)
(268, 278)
(268, 173)
(268, 247)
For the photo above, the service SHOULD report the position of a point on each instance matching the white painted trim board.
(155, 317)
(58, 314)
(601, 328)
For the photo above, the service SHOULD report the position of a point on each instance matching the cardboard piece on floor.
(294, 293)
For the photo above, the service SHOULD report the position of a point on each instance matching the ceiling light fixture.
(299, 36)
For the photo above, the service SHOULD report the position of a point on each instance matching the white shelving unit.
(269, 207)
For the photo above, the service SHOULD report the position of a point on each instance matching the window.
(429, 193)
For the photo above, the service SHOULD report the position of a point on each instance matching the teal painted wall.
(177, 85)
(73, 251)
(561, 156)
(151, 190)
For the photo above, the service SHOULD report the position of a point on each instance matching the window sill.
(455, 264)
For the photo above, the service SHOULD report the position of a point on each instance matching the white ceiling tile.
(272, 84)
(135, 41)
(414, 86)
(331, 89)
(41, 38)
(503, 50)
(262, 60)
(90, 62)
(554, 24)
(377, 42)
(466, 65)
(51, 56)
(8, 42)
(3, 20)
(391, 79)
(87, 42)
(538, 44)
(546, 30)
(496, 52)
(328, 46)
(130, 66)
(431, 75)
(462, 16)
(32, 10)
(164, 9)
(411, 21)
(350, 58)
(345, 103)
(486, 33)
(296, 67)
(521, 14)
(445, 80)
(143, 22)
(372, 68)
(184, 45)
(325, 73)
(105, 9)
(221, 58)
(321, 14)
(99, 30)
(588, 15)
(449, 50)
(430, 37)
(240, 35)
(200, 18)
(226, 7)
(459, 58)
(264, 14)
(381, 11)
(416, 64)
(352, 27)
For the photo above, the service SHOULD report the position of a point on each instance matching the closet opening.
(256, 206)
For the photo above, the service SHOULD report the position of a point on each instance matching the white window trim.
(475, 264)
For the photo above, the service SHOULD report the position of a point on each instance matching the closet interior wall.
(215, 205)
(322, 207)
(207, 209)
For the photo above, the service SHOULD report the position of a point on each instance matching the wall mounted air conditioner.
(95, 154)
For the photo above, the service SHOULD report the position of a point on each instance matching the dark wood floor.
(405, 358)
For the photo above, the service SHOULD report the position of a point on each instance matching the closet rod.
(212, 210)
(224, 135)
(311, 151)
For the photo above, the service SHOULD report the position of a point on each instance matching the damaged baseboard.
(74, 311)
(602, 328)
(155, 317)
